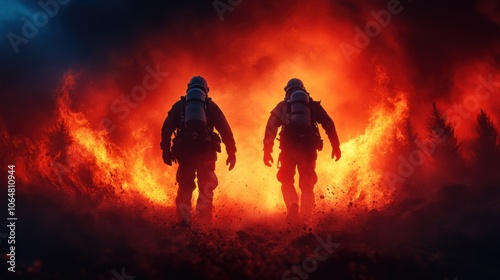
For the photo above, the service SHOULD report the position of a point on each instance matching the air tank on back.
(299, 107)
(195, 116)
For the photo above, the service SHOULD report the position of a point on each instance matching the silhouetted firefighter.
(298, 116)
(195, 145)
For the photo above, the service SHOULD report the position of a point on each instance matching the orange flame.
(125, 170)
(137, 169)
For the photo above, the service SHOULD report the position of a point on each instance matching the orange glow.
(246, 71)
(126, 170)
(136, 167)
(128, 160)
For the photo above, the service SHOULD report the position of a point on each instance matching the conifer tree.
(486, 146)
(442, 135)
(59, 139)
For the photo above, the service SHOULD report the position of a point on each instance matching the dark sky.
(79, 36)
(438, 35)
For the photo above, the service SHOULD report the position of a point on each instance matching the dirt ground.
(455, 237)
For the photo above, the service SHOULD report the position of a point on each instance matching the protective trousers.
(202, 168)
(305, 162)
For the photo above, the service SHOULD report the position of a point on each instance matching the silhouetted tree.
(403, 139)
(487, 137)
(414, 156)
(404, 160)
(444, 140)
(59, 139)
(486, 149)
(410, 135)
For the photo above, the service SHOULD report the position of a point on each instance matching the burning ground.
(415, 195)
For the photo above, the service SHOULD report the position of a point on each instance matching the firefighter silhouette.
(298, 116)
(195, 146)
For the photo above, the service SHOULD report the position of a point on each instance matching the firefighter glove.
(231, 161)
(268, 159)
(167, 157)
(336, 153)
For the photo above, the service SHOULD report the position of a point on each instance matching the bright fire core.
(135, 166)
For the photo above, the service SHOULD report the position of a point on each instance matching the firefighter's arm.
(273, 123)
(168, 128)
(222, 126)
(329, 127)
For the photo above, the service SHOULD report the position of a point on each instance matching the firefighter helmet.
(293, 85)
(198, 82)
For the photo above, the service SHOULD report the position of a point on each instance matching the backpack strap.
(288, 107)
(314, 123)
(180, 126)
(210, 125)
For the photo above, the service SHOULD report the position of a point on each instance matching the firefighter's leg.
(307, 180)
(185, 178)
(207, 182)
(285, 176)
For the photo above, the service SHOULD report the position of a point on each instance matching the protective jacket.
(278, 119)
(174, 124)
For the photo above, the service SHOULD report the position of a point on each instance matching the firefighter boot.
(307, 205)
(292, 214)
